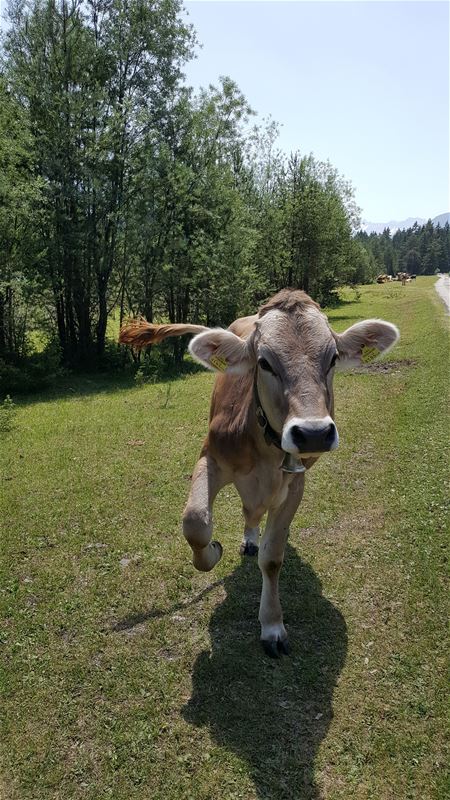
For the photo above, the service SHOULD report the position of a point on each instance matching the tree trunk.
(2, 325)
(102, 314)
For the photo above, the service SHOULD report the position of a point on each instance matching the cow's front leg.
(207, 480)
(250, 542)
(251, 491)
(270, 559)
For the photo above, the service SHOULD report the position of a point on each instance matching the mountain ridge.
(398, 225)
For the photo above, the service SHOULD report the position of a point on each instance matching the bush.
(159, 364)
(115, 358)
(7, 412)
(155, 364)
(327, 293)
(31, 373)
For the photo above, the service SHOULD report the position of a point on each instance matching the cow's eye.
(265, 365)
(333, 362)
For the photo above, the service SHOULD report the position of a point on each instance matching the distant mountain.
(441, 219)
(395, 225)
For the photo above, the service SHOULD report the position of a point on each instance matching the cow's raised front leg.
(270, 559)
(207, 480)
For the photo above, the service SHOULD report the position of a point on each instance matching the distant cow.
(271, 418)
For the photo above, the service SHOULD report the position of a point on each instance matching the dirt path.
(442, 287)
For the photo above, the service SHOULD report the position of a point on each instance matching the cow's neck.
(270, 435)
(290, 463)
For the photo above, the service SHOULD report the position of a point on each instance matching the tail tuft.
(139, 333)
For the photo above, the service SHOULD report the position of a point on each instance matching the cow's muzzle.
(313, 435)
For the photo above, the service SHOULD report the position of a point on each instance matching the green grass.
(125, 674)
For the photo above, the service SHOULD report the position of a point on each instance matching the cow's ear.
(364, 342)
(222, 351)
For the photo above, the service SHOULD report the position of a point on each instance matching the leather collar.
(270, 435)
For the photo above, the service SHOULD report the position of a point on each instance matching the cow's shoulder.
(231, 425)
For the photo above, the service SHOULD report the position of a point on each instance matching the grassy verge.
(125, 674)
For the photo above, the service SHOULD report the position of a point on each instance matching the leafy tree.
(95, 78)
(20, 207)
(132, 194)
(413, 262)
(419, 250)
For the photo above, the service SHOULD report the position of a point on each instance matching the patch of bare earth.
(387, 367)
(358, 525)
(6, 793)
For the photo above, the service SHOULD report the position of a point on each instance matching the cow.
(271, 418)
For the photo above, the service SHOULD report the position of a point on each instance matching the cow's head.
(293, 353)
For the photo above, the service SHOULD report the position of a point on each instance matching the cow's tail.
(139, 333)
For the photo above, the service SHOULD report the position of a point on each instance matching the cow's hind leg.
(207, 480)
(270, 560)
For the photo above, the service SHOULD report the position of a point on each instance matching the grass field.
(125, 674)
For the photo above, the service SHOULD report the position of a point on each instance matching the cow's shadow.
(272, 714)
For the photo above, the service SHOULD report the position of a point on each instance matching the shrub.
(31, 373)
(7, 413)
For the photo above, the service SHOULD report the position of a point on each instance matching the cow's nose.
(313, 435)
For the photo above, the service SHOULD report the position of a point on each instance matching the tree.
(156, 200)
(420, 249)
(95, 78)
(20, 206)
(413, 262)
(193, 225)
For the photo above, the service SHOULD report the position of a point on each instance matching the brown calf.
(271, 418)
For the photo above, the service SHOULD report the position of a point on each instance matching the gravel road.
(442, 287)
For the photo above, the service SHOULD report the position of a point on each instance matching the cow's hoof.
(248, 549)
(270, 648)
(207, 558)
(218, 549)
(283, 646)
(273, 649)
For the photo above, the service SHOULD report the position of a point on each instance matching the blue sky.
(363, 84)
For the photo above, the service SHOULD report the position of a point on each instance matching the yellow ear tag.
(219, 363)
(369, 354)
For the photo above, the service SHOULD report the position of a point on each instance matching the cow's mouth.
(311, 436)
